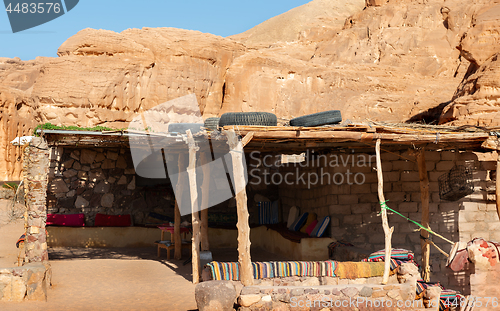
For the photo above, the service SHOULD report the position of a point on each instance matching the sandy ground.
(113, 278)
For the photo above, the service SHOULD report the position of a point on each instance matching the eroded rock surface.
(390, 60)
(477, 99)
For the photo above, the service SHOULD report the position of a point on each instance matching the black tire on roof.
(318, 119)
(248, 118)
(183, 127)
(212, 123)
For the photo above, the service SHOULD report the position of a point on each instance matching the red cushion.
(103, 220)
(70, 220)
(311, 227)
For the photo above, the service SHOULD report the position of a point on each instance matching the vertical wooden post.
(205, 193)
(424, 195)
(385, 223)
(177, 222)
(497, 193)
(195, 244)
(241, 205)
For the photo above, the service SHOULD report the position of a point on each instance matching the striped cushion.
(292, 216)
(299, 222)
(230, 271)
(396, 253)
(310, 218)
(311, 227)
(268, 212)
(320, 228)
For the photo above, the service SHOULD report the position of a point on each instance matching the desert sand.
(103, 279)
(111, 278)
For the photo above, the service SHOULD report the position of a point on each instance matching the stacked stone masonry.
(35, 170)
(29, 282)
(333, 297)
(102, 180)
(354, 207)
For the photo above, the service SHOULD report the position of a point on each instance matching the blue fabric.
(268, 213)
(320, 228)
(299, 222)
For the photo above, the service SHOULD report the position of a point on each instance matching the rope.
(383, 205)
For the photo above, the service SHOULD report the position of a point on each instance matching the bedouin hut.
(334, 174)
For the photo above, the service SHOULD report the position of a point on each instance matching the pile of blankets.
(399, 256)
(370, 267)
(272, 269)
(230, 271)
(447, 299)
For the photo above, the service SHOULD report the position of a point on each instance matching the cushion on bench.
(299, 222)
(320, 228)
(103, 220)
(70, 220)
(271, 269)
(310, 218)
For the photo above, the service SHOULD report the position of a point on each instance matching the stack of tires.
(270, 119)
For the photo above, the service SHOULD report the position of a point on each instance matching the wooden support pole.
(205, 194)
(497, 193)
(385, 223)
(241, 205)
(424, 195)
(177, 221)
(195, 244)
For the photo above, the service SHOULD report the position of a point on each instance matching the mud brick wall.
(102, 180)
(354, 207)
(35, 172)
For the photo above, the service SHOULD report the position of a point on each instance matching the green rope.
(383, 205)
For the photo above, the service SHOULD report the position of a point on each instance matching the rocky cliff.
(394, 60)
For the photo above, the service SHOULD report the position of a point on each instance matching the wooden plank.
(385, 223)
(177, 221)
(241, 205)
(248, 137)
(193, 191)
(424, 195)
(497, 192)
(363, 136)
(205, 193)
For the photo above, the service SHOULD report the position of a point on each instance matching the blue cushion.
(299, 222)
(320, 228)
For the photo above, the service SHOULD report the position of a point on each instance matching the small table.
(170, 229)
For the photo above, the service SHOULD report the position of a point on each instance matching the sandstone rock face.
(477, 99)
(311, 19)
(390, 60)
(119, 74)
(483, 39)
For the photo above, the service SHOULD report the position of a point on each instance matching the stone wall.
(354, 207)
(333, 297)
(28, 282)
(35, 170)
(102, 180)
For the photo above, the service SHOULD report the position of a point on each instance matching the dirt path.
(102, 279)
(115, 284)
(113, 278)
